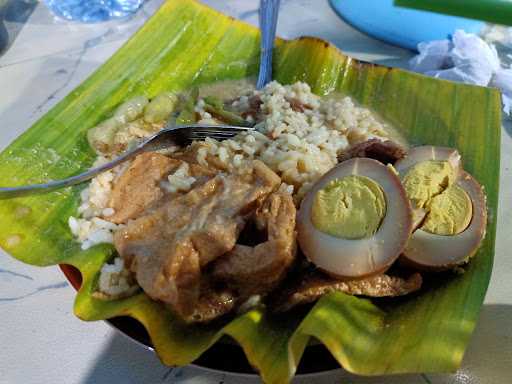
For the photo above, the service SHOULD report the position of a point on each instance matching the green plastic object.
(493, 11)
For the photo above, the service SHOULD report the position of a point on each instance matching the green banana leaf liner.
(185, 44)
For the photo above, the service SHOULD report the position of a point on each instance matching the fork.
(180, 134)
(176, 135)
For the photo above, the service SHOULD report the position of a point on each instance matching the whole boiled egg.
(356, 220)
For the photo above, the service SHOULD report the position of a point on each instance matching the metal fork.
(177, 135)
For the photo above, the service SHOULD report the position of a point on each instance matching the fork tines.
(218, 135)
(214, 132)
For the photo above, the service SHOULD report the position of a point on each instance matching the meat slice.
(212, 304)
(297, 105)
(387, 152)
(257, 270)
(139, 186)
(168, 246)
(254, 109)
(315, 284)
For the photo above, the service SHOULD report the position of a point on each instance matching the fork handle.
(269, 10)
(156, 142)
(10, 192)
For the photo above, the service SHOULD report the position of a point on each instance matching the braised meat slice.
(387, 152)
(315, 284)
(254, 109)
(257, 270)
(297, 105)
(139, 187)
(212, 304)
(168, 245)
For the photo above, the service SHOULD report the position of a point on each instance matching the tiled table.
(40, 339)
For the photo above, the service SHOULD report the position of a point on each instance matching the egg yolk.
(450, 212)
(426, 180)
(351, 207)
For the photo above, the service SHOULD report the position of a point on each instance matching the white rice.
(92, 226)
(92, 231)
(115, 280)
(300, 146)
(180, 180)
(285, 188)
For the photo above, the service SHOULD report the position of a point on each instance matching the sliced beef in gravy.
(169, 244)
(387, 152)
(257, 270)
(315, 284)
(212, 304)
(139, 186)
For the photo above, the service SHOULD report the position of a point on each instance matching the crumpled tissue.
(465, 58)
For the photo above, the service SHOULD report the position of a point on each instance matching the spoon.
(269, 10)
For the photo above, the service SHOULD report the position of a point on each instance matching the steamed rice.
(299, 145)
(115, 280)
(179, 181)
(92, 227)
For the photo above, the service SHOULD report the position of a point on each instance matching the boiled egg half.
(356, 220)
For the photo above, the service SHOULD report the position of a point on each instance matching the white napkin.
(465, 58)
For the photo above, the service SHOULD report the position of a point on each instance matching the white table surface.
(40, 339)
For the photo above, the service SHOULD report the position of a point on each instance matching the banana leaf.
(186, 44)
(493, 11)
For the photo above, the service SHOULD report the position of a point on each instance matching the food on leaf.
(450, 208)
(377, 244)
(385, 151)
(422, 108)
(211, 304)
(350, 208)
(449, 213)
(182, 241)
(187, 114)
(258, 270)
(138, 187)
(216, 108)
(143, 184)
(167, 247)
(313, 285)
(160, 107)
(435, 251)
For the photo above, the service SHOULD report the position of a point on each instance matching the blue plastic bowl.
(400, 26)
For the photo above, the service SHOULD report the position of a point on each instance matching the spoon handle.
(269, 10)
